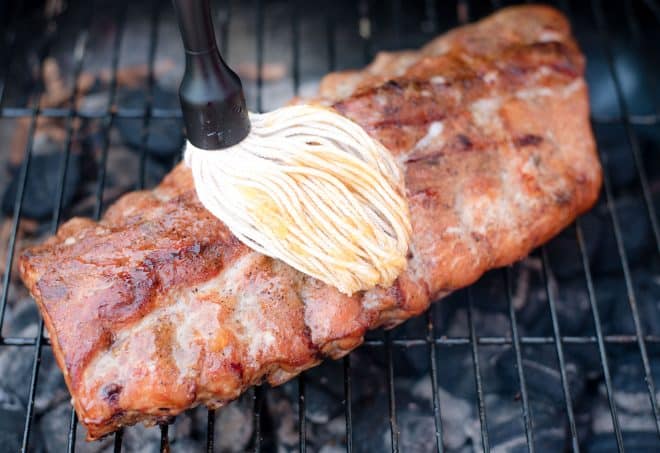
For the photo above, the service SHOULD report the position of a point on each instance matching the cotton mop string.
(313, 189)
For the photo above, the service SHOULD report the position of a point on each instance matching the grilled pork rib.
(157, 307)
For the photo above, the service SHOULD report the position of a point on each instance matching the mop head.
(313, 189)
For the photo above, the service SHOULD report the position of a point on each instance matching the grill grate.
(434, 339)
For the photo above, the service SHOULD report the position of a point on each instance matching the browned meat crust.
(158, 308)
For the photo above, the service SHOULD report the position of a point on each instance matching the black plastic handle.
(211, 94)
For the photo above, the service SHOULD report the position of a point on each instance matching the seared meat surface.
(157, 307)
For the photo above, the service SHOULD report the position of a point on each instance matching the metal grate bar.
(210, 430)
(348, 394)
(549, 279)
(496, 341)
(119, 436)
(526, 413)
(650, 119)
(36, 361)
(164, 437)
(599, 333)
(481, 404)
(71, 436)
(258, 397)
(437, 418)
(120, 112)
(394, 426)
(630, 133)
(443, 341)
(597, 322)
(632, 299)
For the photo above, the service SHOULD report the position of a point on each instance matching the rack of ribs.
(158, 308)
